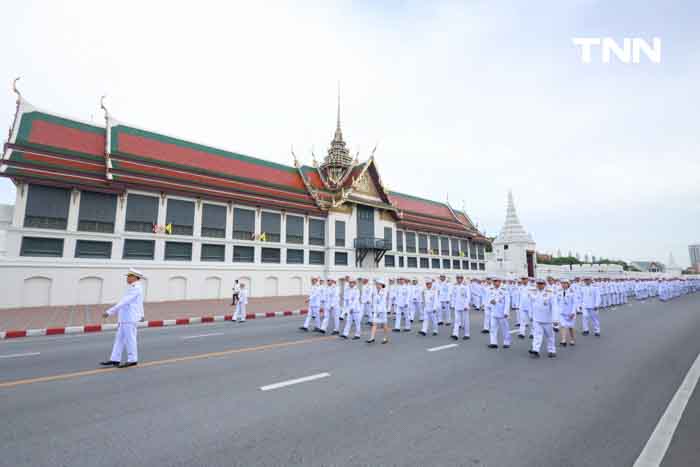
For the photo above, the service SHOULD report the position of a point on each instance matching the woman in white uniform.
(379, 312)
(568, 302)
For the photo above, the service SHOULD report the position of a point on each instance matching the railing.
(369, 243)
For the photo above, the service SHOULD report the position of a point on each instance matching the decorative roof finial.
(103, 107)
(296, 161)
(16, 91)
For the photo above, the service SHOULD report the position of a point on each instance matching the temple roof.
(512, 231)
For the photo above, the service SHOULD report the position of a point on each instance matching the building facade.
(694, 253)
(93, 200)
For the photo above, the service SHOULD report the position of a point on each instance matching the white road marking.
(657, 445)
(204, 335)
(294, 381)
(442, 347)
(14, 355)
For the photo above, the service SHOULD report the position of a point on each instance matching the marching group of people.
(539, 307)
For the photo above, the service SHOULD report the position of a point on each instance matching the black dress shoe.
(465, 338)
(534, 354)
(521, 336)
(492, 346)
(572, 344)
(562, 344)
(556, 329)
(344, 336)
(422, 333)
(440, 323)
(484, 331)
(321, 331)
(455, 338)
(128, 364)
(597, 334)
(396, 330)
(302, 328)
(109, 363)
(355, 338)
(531, 336)
(335, 333)
(407, 330)
(552, 355)
(370, 341)
(506, 346)
(585, 333)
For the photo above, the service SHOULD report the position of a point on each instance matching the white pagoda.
(514, 249)
(672, 269)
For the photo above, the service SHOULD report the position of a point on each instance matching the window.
(46, 247)
(455, 247)
(401, 261)
(213, 221)
(97, 212)
(456, 264)
(423, 244)
(139, 249)
(465, 264)
(317, 232)
(243, 254)
(295, 229)
(399, 240)
(482, 267)
(340, 233)
(270, 255)
(317, 257)
(389, 261)
(446, 264)
(295, 256)
(211, 252)
(444, 246)
(243, 224)
(412, 262)
(181, 215)
(505, 247)
(410, 242)
(424, 263)
(388, 235)
(474, 267)
(480, 251)
(90, 249)
(435, 263)
(178, 251)
(472, 250)
(463, 248)
(141, 213)
(47, 207)
(434, 248)
(270, 226)
(341, 258)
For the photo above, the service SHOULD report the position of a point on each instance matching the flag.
(169, 229)
(263, 237)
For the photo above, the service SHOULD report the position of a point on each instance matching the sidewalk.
(81, 315)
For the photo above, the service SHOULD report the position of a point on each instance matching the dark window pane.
(270, 255)
(434, 248)
(341, 258)
(139, 249)
(389, 261)
(424, 263)
(463, 248)
(181, 215)
(243, 254)
(47, 247)
(97, 212)
(423, 244)
(410, 242)
(399, 240)
(270, 225)
(243, 224)
(444, 246)
(178, 251)
(295, 230)
(213, 252)
(317, 257)
(141, 213)
(213, 221)
(465, 264)
(446, 264)
(435, 263)
(47, 207)
(474, 267)
(295, 256)
(91, 249)
(482, 267)
(401, 260)
(388, 236)
(472, 250)
(317, 232)
(340, 233)
(456, 264)
(480, 251)
(412, 262)
(455, 247)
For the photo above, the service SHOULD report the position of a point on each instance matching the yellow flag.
(263, 237)
(169, 228)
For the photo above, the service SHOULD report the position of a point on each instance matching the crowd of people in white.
(539, 307)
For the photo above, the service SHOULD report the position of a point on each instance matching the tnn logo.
(630, 52)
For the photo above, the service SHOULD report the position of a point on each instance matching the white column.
(20, 205)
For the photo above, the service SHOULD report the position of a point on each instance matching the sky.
(464, 99)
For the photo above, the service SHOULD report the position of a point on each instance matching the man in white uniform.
(543, 315)
(590, 301)
(332, 310)
(443, 291)
(240, 313)
(129, 311)
(430, 306)
(402, 296)
(352, 307)
(314, 301)
(498, 309)
(460, 301)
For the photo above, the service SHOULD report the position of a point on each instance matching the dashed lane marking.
(292, 382)
(442, 347)
(16, 355)
(212, 334)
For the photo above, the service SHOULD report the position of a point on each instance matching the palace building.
(93, 200)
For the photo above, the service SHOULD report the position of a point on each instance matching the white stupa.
(672, 269)
(514, 249)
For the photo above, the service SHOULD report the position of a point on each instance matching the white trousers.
(315, 314)
(541, 330)
(524, 321)
(430, 317)
(487, 318)
(499, 325)
(461, 321)
(413, 309)
(444, 313)
(595, 319)
(353, 317)
(402, 312)
(335, 313)
(125, 340)
(239, 315)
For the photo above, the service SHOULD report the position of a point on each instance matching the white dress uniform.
(483, 299)
(366, 300)
(346, 287)
(498, 313)
(379, 306)
(314, 313)
(443, 291)
(590, 301)
(354, 313)
(129, 311)
(461, 298)
(430, 305)
(240, 313)
(403, 298)
(416, 305)
(332, 309)
(567, 304)
(525, 311)
(543, 314)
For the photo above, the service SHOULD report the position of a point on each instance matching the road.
(196, 397)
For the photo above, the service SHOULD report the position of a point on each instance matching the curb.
(90, 328)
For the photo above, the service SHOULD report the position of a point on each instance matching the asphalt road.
(196, 397)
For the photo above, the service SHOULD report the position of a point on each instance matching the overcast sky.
(469, 98)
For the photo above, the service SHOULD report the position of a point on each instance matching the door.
(365, 222)
(530, 264)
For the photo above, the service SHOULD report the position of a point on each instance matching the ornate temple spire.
(512, 231)
(338, 133)
(338, 161)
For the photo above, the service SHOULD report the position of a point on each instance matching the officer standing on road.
(460, 300)
(543, 316)
(129, 311)
(498, 308)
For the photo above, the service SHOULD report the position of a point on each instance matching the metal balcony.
(364, 245)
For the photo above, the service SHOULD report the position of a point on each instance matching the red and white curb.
(88, 328)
